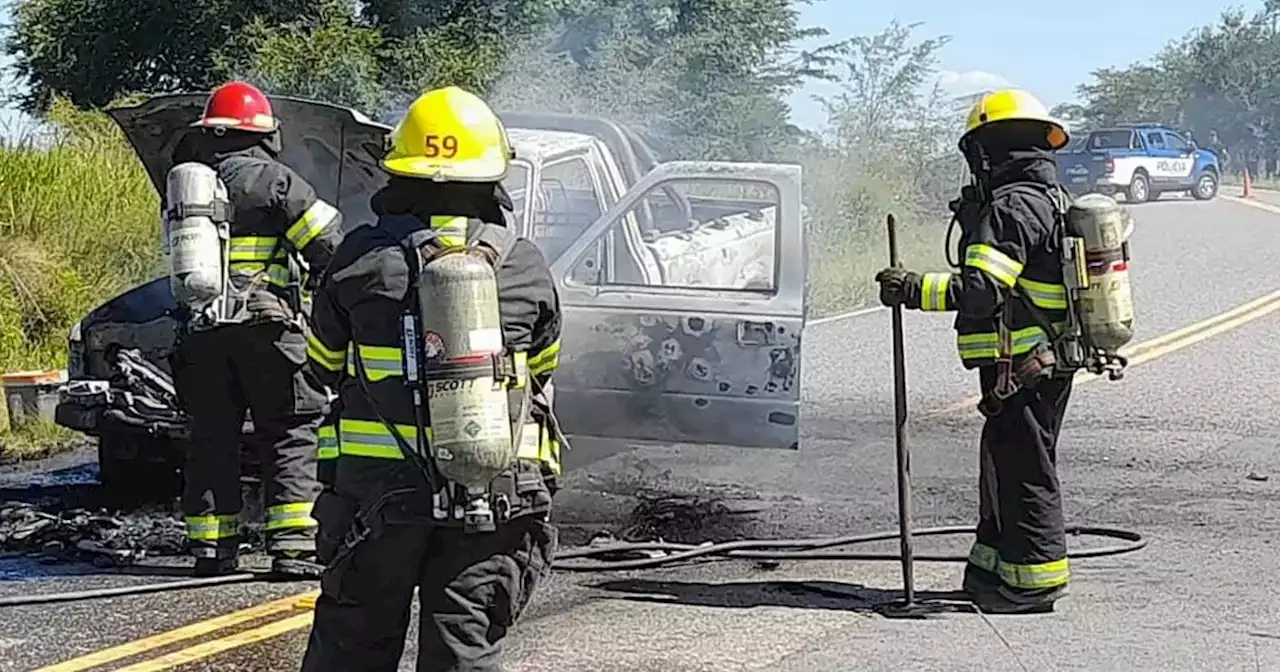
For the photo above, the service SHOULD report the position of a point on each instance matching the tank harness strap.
(218, 211)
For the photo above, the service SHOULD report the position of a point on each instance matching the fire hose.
(759, 550)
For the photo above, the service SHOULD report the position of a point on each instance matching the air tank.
(195, 238)
(467, 399)
(1105, 304)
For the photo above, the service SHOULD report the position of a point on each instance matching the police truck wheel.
(1206, 187)
(1139, 190)
(139, 469)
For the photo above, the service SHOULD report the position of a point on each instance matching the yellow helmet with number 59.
(449, 135)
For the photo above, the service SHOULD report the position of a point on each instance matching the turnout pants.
(471, 589)
(1021, 537)
(219, 374)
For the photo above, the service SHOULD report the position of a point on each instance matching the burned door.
(708, 351)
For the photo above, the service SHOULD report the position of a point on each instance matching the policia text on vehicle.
(240, 227)
(1042, 292)
(439, 327)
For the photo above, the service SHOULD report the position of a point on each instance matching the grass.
(77, 225)
(33, 439)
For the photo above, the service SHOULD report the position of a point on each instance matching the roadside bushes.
(78, 223)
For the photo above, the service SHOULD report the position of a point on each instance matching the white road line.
(844, 316)
(1275, 210)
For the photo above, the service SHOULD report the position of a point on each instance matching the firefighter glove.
(898, 286)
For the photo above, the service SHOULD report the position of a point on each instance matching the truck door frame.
(747, 391)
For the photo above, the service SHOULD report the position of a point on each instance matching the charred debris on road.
(79, 522)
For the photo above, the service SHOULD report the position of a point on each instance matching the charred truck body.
(683, 287)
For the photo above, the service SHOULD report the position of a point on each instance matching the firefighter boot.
(296, 564)
(1006, 600)
(206, 567)
(979, 582)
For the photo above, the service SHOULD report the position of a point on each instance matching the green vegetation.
(78, 217)
(1223, 77)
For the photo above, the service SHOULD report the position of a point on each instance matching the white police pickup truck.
(1140, 161)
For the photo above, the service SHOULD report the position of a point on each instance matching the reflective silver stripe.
(312, 223)
(997, 264)
(933, 291)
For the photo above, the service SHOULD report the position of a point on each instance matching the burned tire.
(136, 469)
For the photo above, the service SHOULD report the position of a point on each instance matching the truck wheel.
(1206, 187)
(1139, 190)
(139, 469)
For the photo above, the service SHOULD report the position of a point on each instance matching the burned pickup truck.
(682, 283)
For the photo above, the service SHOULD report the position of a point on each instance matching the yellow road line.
(214, 647)
(1160, 346)
(198, 629)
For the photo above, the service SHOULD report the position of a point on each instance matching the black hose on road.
(748, 549)
(814, 549)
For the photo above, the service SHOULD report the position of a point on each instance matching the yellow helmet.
(449, 135)
(1010, 105)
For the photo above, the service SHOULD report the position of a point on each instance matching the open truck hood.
(334, 148)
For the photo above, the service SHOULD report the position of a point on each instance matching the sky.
(1002, 42)
(993, 43)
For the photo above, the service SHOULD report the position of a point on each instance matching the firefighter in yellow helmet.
(389, 521)
(1008, 295)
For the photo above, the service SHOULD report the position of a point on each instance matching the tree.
(330, 58)
(1224, 77)
(93, 51)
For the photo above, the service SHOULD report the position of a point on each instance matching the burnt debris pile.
(98, 536)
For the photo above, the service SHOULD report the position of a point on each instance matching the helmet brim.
(484, 169)
(1056, 137)
(234, 125)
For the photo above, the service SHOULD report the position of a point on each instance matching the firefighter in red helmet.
(252, 357)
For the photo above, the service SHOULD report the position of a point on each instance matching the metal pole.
(900, 435)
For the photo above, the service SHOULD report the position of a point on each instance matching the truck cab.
(682, 286)
(1141, 161)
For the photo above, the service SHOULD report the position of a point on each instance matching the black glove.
(899, 286)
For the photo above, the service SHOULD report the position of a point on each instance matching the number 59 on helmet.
(449, 135)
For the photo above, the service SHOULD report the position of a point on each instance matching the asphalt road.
(1183, 450)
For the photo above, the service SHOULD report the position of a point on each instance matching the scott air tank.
(196, 234)
(1105, 302)
(467, 398)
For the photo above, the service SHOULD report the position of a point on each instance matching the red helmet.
(240, 106)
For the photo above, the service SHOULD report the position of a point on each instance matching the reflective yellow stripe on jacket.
(1046, 295)
(933, 294)
(311, 224)
(380, 362)
(370, 438)
(545, 360)
(366, 438)
(995, 263)
(986, 345)
(323, 355)
(327, 442)
(251, 255)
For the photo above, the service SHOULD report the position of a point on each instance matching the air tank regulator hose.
(605, 558)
